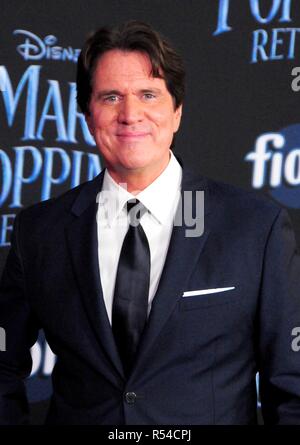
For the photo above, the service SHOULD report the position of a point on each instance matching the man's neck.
(136, 180)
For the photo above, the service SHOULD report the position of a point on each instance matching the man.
(150, 324)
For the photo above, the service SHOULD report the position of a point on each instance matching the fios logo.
(276, 165)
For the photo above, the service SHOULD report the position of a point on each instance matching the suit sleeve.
(21, 332)
(279, 315)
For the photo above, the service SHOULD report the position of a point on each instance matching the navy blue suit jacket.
(198, 356)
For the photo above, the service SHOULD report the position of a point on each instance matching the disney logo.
(35, 48)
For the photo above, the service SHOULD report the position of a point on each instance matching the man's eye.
(149, 96)
(110, 98)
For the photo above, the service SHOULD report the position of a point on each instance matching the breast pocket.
(208, 298)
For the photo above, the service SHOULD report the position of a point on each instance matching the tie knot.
(135, 211)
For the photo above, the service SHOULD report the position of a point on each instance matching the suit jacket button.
(130, 397)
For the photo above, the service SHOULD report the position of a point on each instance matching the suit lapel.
(83, 247)
(183, 254)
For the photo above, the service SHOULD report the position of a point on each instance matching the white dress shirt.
(161, 199)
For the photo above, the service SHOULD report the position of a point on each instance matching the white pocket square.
(193, 293)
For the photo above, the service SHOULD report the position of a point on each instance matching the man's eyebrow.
(102, 93)
(151, 90)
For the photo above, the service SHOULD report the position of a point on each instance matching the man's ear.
(88, 121)
(177, 117)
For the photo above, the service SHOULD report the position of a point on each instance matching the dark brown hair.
(130, 36)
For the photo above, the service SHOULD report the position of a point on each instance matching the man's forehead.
(124, 65)
(118, 56)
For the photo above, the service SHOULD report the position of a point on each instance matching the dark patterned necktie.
(129, 311)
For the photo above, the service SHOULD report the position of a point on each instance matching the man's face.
(132, 115)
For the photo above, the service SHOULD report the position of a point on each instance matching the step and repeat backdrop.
(241, 121)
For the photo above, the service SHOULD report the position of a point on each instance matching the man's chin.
(135, 163)
(132, 167)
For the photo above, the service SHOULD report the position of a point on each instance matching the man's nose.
(130, 111)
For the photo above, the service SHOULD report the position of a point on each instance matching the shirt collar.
(113, 198)
(160, 197)
(163, 193)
